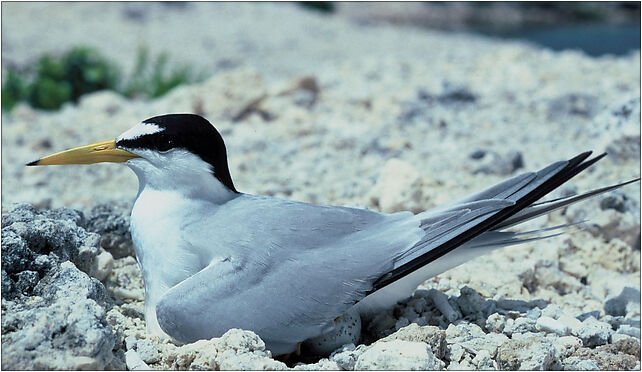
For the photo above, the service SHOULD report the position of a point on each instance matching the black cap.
(187, 131)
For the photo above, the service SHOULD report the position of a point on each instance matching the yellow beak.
(99, 152)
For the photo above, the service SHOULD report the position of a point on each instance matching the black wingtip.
(579, 158)
(600, 156)
(572, 168)
(32, 163)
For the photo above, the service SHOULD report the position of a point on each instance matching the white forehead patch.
(140, 130)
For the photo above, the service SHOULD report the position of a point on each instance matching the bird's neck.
(190, 185)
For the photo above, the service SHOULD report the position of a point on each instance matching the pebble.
(594, 333)
(534, 313)
(130, 342)
(440, 300)
(566, 345)
(489, 342)
(617, 306)
(470, 302)
(135, 362)
(578, 364)
(571, 322)
(582, 317)
(547, 324)
(495, 322)
(463, 332)
(345, 357)
(147, 351)
(626, 329)
(402, 322)
(433, 336)
(483, 361)
(398, 355)
(619, 337)
(103, 265)
(528, 353)
(520, 325)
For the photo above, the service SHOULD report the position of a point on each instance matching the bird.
(214, 258)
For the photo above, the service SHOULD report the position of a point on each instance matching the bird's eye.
(165, 145)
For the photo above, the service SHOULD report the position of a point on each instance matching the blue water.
(593, 39)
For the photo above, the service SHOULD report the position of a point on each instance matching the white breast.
(164, 257)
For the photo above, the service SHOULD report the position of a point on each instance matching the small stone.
(421, 321)
(85, 363)
(27, 280)
(130, 342)
(490, 343)
(550, 325)
(612, 357)
(571, 322)
(477, 154)
(463, 332)
(617, 202)
(578, 364)
(594, 333)
(345, 357)
(410, 314)
(619, 337)
(419, 305)
(595, 314)
(229, 360)
(398, 355)
(566, 345)
(103, 265)
(471, 303)
(241, 341)
(528, 353)
(321, 365)
(111, 222)
(483, 360)
(519, 306)
(147, 351)
(626, 329)
(198, 355)
(617, 306)
(402, 322)
(501, 164)
(495, 323)
(520, 325)
(630, 346)
(134, 361)
(433, 336)
(534, 313)
(456, 353)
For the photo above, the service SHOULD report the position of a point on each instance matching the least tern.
(213, 258)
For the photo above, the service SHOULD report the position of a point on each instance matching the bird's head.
(167, 151)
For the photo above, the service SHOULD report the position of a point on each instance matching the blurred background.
(55, 53)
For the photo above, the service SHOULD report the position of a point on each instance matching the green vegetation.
(152, 79)
(56, 80)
